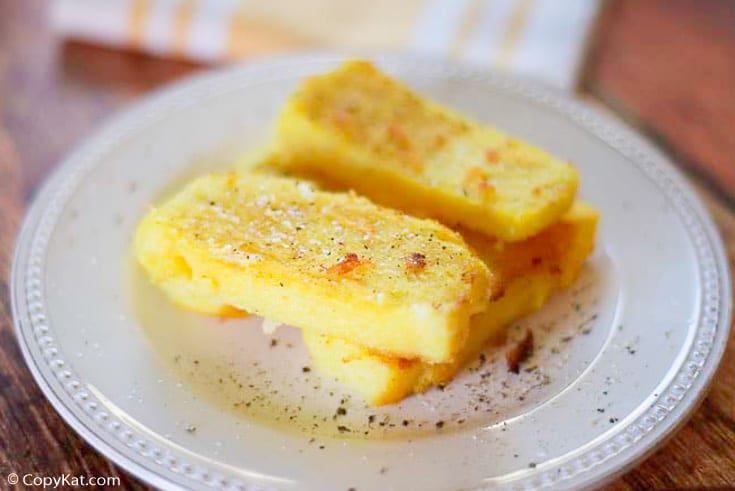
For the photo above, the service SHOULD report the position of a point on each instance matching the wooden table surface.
(666, 66)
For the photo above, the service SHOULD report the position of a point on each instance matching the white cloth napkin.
(544, 39)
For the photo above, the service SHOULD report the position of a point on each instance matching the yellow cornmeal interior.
(529, 272)
(330, 263)
(360, 129)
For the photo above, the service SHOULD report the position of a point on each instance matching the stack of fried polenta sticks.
(398, 235)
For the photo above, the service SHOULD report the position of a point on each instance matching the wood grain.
(666, 65)
(670, 65)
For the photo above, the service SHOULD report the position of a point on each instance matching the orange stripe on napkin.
(469, 22)
(512, 34)
(136, 23)
(182, 21)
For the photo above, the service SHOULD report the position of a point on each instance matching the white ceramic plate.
(187, 401)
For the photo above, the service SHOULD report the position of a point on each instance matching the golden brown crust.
(520, 352)
(349, 262)
(415, 262)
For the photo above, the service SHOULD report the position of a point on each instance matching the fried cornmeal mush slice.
(363, 130)
(329, 263)
(529, 271)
